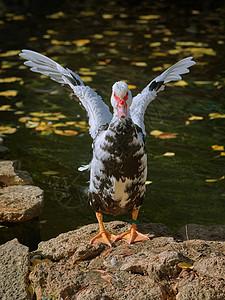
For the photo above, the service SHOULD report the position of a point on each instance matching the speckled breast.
(118, 168)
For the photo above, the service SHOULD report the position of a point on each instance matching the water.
(127, 42)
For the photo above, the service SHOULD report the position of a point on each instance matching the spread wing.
(149, 93)
(98, 111)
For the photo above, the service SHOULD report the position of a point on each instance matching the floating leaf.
(155, 44)
(107, 16)
(131, 87)
(10, 79)
(199, 44)
(50, 172)
(6, 108)
(147, 36)
(195, 118)
(9, 93)
(139, 64)
(57, 15)
(203, 82)
(7, 130)
(156, 132)
(217, 148)
(185, 265)
(148, 182)
(66, 132)
(81, 42)
(167, 135)
(149, 17)
(97, 36)
(169, 154)
(86, 78)
(112, 33)
(216, 116)
(156, 69)
(31, 124)
(40, 114)
(214, 180)
(10, 53)
(65, 43)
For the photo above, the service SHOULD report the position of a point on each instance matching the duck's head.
(121, 99)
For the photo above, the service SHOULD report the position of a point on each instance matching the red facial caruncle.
(121, 105)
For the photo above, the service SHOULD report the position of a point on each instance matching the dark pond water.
(133, 42)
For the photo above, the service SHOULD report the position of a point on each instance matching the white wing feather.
(98, 111)
(149, 93)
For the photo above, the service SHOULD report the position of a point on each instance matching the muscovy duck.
(118, 168)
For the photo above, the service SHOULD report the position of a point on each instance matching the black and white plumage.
(118, 169)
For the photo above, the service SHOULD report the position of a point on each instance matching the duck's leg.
(132, 235)
(104, 236)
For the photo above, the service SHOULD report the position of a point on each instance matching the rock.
(201, 289)
(10, 175)
(20, 203)
(66, 244)
(14, 263)
(201, 232)
(211, 266)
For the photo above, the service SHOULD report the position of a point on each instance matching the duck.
(118, 169)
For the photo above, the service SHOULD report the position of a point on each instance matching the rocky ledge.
(20, 200)
(68, 267)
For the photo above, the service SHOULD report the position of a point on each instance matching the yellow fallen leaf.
(86, 78)
(10, 53)
(155, 44)
(216, 116)
(10, 79)
(9, 93)
(57, 15)
(195, 118)
(56, 42)
(50, 31)
(147, 36)
(50, 173)
(148, 182)
(5, 108)
(149, 17)
(180, 83)
(81, 42)
(139, 64)
(18, 18)
(108, 32)
(131, 87)
(203, 82)
(169, 154)
(23, 119)
(7, 130)
(167, 135)
(97, 36)
(40, 114)
(174, 51)
(156, 69)
(217, 148)
(66, 132)
(107, 16)
(214, 180)
(156, 132)
(185, 265)
(199, 44)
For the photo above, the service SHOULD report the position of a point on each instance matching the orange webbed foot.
(106, 238)
(133, 236)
